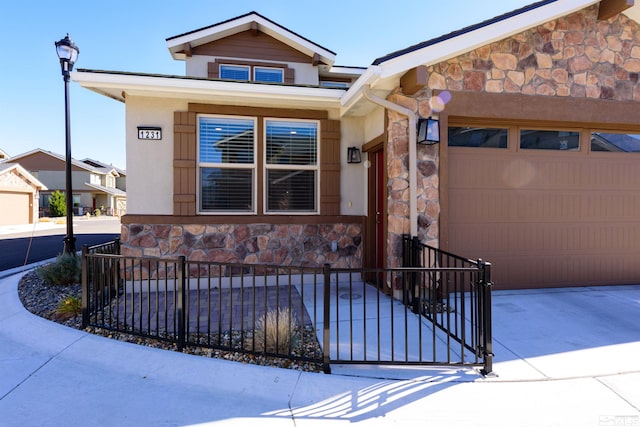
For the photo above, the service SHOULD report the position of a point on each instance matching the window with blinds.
(291, 166)
(226, 154)
(269, 75)
(234, 72)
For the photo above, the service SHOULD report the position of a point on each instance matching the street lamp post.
(68, 53)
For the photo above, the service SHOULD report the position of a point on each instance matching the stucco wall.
(150, 163)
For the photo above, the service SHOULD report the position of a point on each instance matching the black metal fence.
(320, 315)
(451, 284)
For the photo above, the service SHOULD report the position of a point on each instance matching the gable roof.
(74, 162)
(176, 44)
(26, 176)
(385, 72)
(105, 167)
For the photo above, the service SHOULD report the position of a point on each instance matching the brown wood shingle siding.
(247, 45)
(184, 163)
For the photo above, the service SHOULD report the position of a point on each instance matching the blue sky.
(129, 35)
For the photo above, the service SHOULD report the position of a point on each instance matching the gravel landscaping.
(42, 299)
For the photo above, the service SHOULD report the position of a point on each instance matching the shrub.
(278, 331)
(57, 204)
(64, 270)
(97, 212)
(69, 307)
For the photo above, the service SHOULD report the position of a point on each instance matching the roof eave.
(117, 85)
(243, 23)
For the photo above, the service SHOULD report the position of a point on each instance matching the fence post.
(85, 287)
(484, 288)
(181, 302)
(326, 334)
(116, 246)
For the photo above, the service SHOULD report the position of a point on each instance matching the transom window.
(478, 137)
(228, 166)
(549, 139)
(615, 142)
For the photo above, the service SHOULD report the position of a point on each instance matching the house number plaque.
(149, 132)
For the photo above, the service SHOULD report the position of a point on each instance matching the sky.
(130, 35)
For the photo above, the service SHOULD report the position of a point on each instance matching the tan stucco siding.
(150, 163)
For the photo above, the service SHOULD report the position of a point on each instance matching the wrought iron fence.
(320, 315)
(451, 284)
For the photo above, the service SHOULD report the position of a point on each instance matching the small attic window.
(269, 75)
(234, 72)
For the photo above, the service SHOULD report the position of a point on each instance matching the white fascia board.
(464, 43)
(242, 24)
(175, 87)
(354, 93)
(27, 175)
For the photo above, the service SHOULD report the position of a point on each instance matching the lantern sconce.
(353, 155)
(428, 131)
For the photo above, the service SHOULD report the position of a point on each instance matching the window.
(477, 137)
(228, 180)
(615, 142)
(269, 75)
(549, 140)
(226, 154)
(234, 72)
(291, 166)
(334, 85)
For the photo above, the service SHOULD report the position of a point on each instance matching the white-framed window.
(234, 72)
(291, 166)
(334, 84)
(268, 74)
(226, 164)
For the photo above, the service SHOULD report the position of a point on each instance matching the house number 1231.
(149, 133)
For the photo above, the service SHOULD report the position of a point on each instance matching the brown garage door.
(545, 218)
(15, 208)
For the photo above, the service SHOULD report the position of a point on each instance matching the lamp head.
(67, 53)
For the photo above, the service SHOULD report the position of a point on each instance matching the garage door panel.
(546, 218)
(15, 208)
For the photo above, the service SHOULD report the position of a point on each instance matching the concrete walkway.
(567, 357)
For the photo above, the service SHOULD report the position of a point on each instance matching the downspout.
(413, 193)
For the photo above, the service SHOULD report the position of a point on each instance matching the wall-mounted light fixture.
(353, 155)
(428, 131)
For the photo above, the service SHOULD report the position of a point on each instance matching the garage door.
(15, 208)
(549, 216)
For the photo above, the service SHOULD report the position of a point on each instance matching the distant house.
(247, 157)
(3, 155)
(19, 195)
(94, 184)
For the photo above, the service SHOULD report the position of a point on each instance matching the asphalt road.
(22, 248)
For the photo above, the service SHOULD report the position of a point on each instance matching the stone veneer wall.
(289, 244)
(574, 56)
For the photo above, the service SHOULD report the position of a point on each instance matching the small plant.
(97, 212)
(57, 204)
(64, 270)
(276, 332)
(69, 307)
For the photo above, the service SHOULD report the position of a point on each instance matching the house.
(3, 155)
(19, 190)
(525, 168)
(94, 184)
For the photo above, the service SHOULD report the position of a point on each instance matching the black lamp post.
(68, 53)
